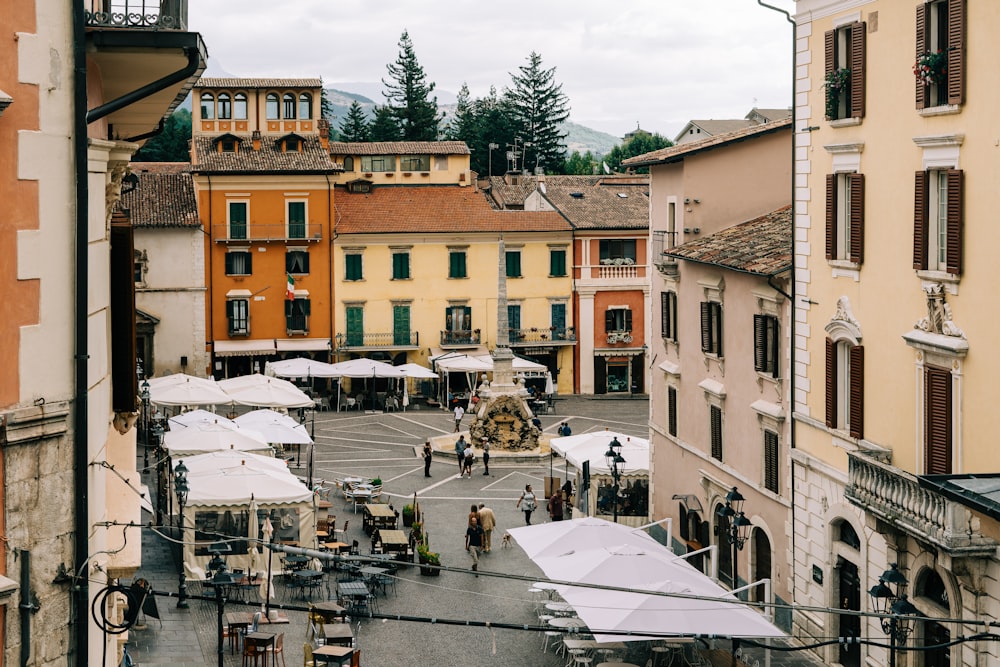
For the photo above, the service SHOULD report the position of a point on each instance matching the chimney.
(323, 125)
(256, 140)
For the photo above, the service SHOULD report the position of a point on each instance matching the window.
(288, 105)
(558, 320)
(617, 319)
(457, 324)
(225, 106)
(378, 163)
(671, 224)
(668, 316)
(238, 314)
(514, 322)
(715, 417)
(355, 318)
(845, 53)
(672, 411)
(845, 217)
(937, 421)
(271, 106)
(401, 265)
(227, 144)
(415, 163)
(765, 344)
(291, 144)
(557, 262)
(513, 263)
(297, 261)
(401, 324)
(845, 387)
(456, 264)
(305, 106)
(207, 106)
(353, 267)
(240, 106)
(612, 249)
(937, 222)
(296, 220)
(348, 163)
(771, 461)
(941, 29)
(239, 263)
(297, 315)
(440, 163)
(711, 328)
(238, 219)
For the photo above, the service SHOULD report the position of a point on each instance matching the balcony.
(460, 338)
(262, 233)
(378, 341)
(615, 337)
(618, 271)
(535, 336)
(897, 498)
(143, 14)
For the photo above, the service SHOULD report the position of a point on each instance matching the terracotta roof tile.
(313, 158)
(675, 153)
(164, 197)
(762, 245)
(239, 82)
(399, 148)
(601, 207)
(505, 194)
(444, 209)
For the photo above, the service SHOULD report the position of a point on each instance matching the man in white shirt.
(459, 413)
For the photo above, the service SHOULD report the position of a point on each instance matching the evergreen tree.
(539, 106)
(462, 125)
(171, 145)
(383, 127)
(581, 165)
(640, 143)
(409, 95)
(354, 126)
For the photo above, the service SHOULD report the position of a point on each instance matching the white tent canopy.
(199, 417)
(412, 370)
(563, 537)
(592, 447)
(365, 368)
(275, 427)
(204, 438)
(263, 391)
(186, 390)
(301, 367)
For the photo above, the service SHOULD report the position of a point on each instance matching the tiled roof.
(313, 157)
(679, 151)
(721, 126)
(164, 197)
(770, 114)
(601, 207)
(441, 209)
(762, 245)
(399, 148)
(238, 82)
(514, 195)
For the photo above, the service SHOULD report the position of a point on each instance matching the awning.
(471, 350)
(619, 351)
(239, 294)
(244, 348)
(302, 344)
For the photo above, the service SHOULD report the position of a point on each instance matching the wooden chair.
(277, 650)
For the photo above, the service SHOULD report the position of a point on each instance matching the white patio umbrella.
(264, 391)
(412, 370)
(301, 367)
(177, 378)
(212, 462)
(275, 427)
(593, 446)
(266, 591)
(199, 439)
(199, 416)
(252, 532)
(564, 537)
(366, 368)
(189, 391)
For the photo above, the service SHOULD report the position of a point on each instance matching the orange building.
(263, 180)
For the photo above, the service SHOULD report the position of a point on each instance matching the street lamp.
(896, 609)
(144, 395)
(489, 170)
(616, 464)
(739, 525)
(181, 490)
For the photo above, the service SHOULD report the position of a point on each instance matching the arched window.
(348, 163)
(225, 106)
(207, 106)
(847, 535)
(305, 105)
(931, 588)
(288, 104)
(272, 106)
(240, 106)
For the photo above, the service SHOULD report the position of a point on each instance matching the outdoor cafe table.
(329, 611)
(339, 634)
(564, 622)
(589, 644)
(360, 495)
(239, 621)
(372, 574)
(355, 592)
(262, 640)
(394, 541)
(559, 607)
(307, 579)
(296, 562)
(378, 515)
(332, 655)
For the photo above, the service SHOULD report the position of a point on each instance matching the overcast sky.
(655, 63)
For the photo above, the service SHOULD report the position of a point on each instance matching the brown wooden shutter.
(956, 181)
(857, 70)
(706, 327)
(718, 328)
(857, 380)
(831, 383)
(664, 315)
(923, 38)
(921, 187)
(771, 461)
(831, 216)
(760, 343)
(857, 221)
(672, 410)
(830, 50)
(937, 421)
(956, 51)
(716, 418)
(124, 382)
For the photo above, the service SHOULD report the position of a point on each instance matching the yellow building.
(264, 182)
(894, 378)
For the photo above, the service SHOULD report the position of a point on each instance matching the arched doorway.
(931, 589)
(761, 563)
(848, 590)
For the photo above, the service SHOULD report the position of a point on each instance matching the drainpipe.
(210, 296)
(81, 545)
(330, 258)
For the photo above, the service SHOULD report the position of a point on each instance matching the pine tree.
(383, 127)
(354, 126)
(640, 143)
(462, 125)
(408, 94)
(171, 145)
(539, 106)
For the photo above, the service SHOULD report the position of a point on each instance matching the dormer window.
(291, 144)
(227, 145)
(359, 187)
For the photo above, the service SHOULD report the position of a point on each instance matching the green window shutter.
(456, 264)
(401, 325)
(401, 266)
(514, 264)
(355, 325)
(352, 267)
(296, 219)
(557, 262)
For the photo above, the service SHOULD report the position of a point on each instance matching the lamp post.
(181, 490)
(739, 525)
(489, 170)
(616, 464)
(160, 498)
(897, 610)
(144, 395)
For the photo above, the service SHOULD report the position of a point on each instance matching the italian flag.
(290, 289)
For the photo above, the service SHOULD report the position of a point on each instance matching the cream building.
(894, 376)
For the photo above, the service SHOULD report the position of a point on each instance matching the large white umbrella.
(265, 391)
(237, 485)
(366, 368)
(195, 417)
(275, 427)
(189, 391)
(412, 370)
(199, 439)
(266, 591)
(252, 532)
(301, 367)
(564, 537)
(177, 378)
(593, 446)
(212, 462)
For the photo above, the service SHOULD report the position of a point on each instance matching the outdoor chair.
(359, 401)
(307, 655)
(277, 650)
(343, 404)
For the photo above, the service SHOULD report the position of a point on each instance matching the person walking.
(460, 446)
(459, 413)
(486, 458)
(487, 521)
(530, 503)
(474, 541)
(428, 457)
(555, 505)
(469, 456)
(473, 514)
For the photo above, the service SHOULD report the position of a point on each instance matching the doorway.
(849, 595)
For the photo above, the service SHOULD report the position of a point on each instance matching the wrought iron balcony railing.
(133, 14)
(378, 340)
(619, 337)
(277, 231)
(536, 335)
(460, 337)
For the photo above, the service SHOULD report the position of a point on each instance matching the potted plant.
(837, 82)
(408, 514)
(377, 481)
(931, 68)
(428, 557)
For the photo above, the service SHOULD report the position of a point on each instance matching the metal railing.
(542, 335)
(379, 340)
(149, 14)
(619, 337)
(461, 337)
(617, 271)
(276, 231)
